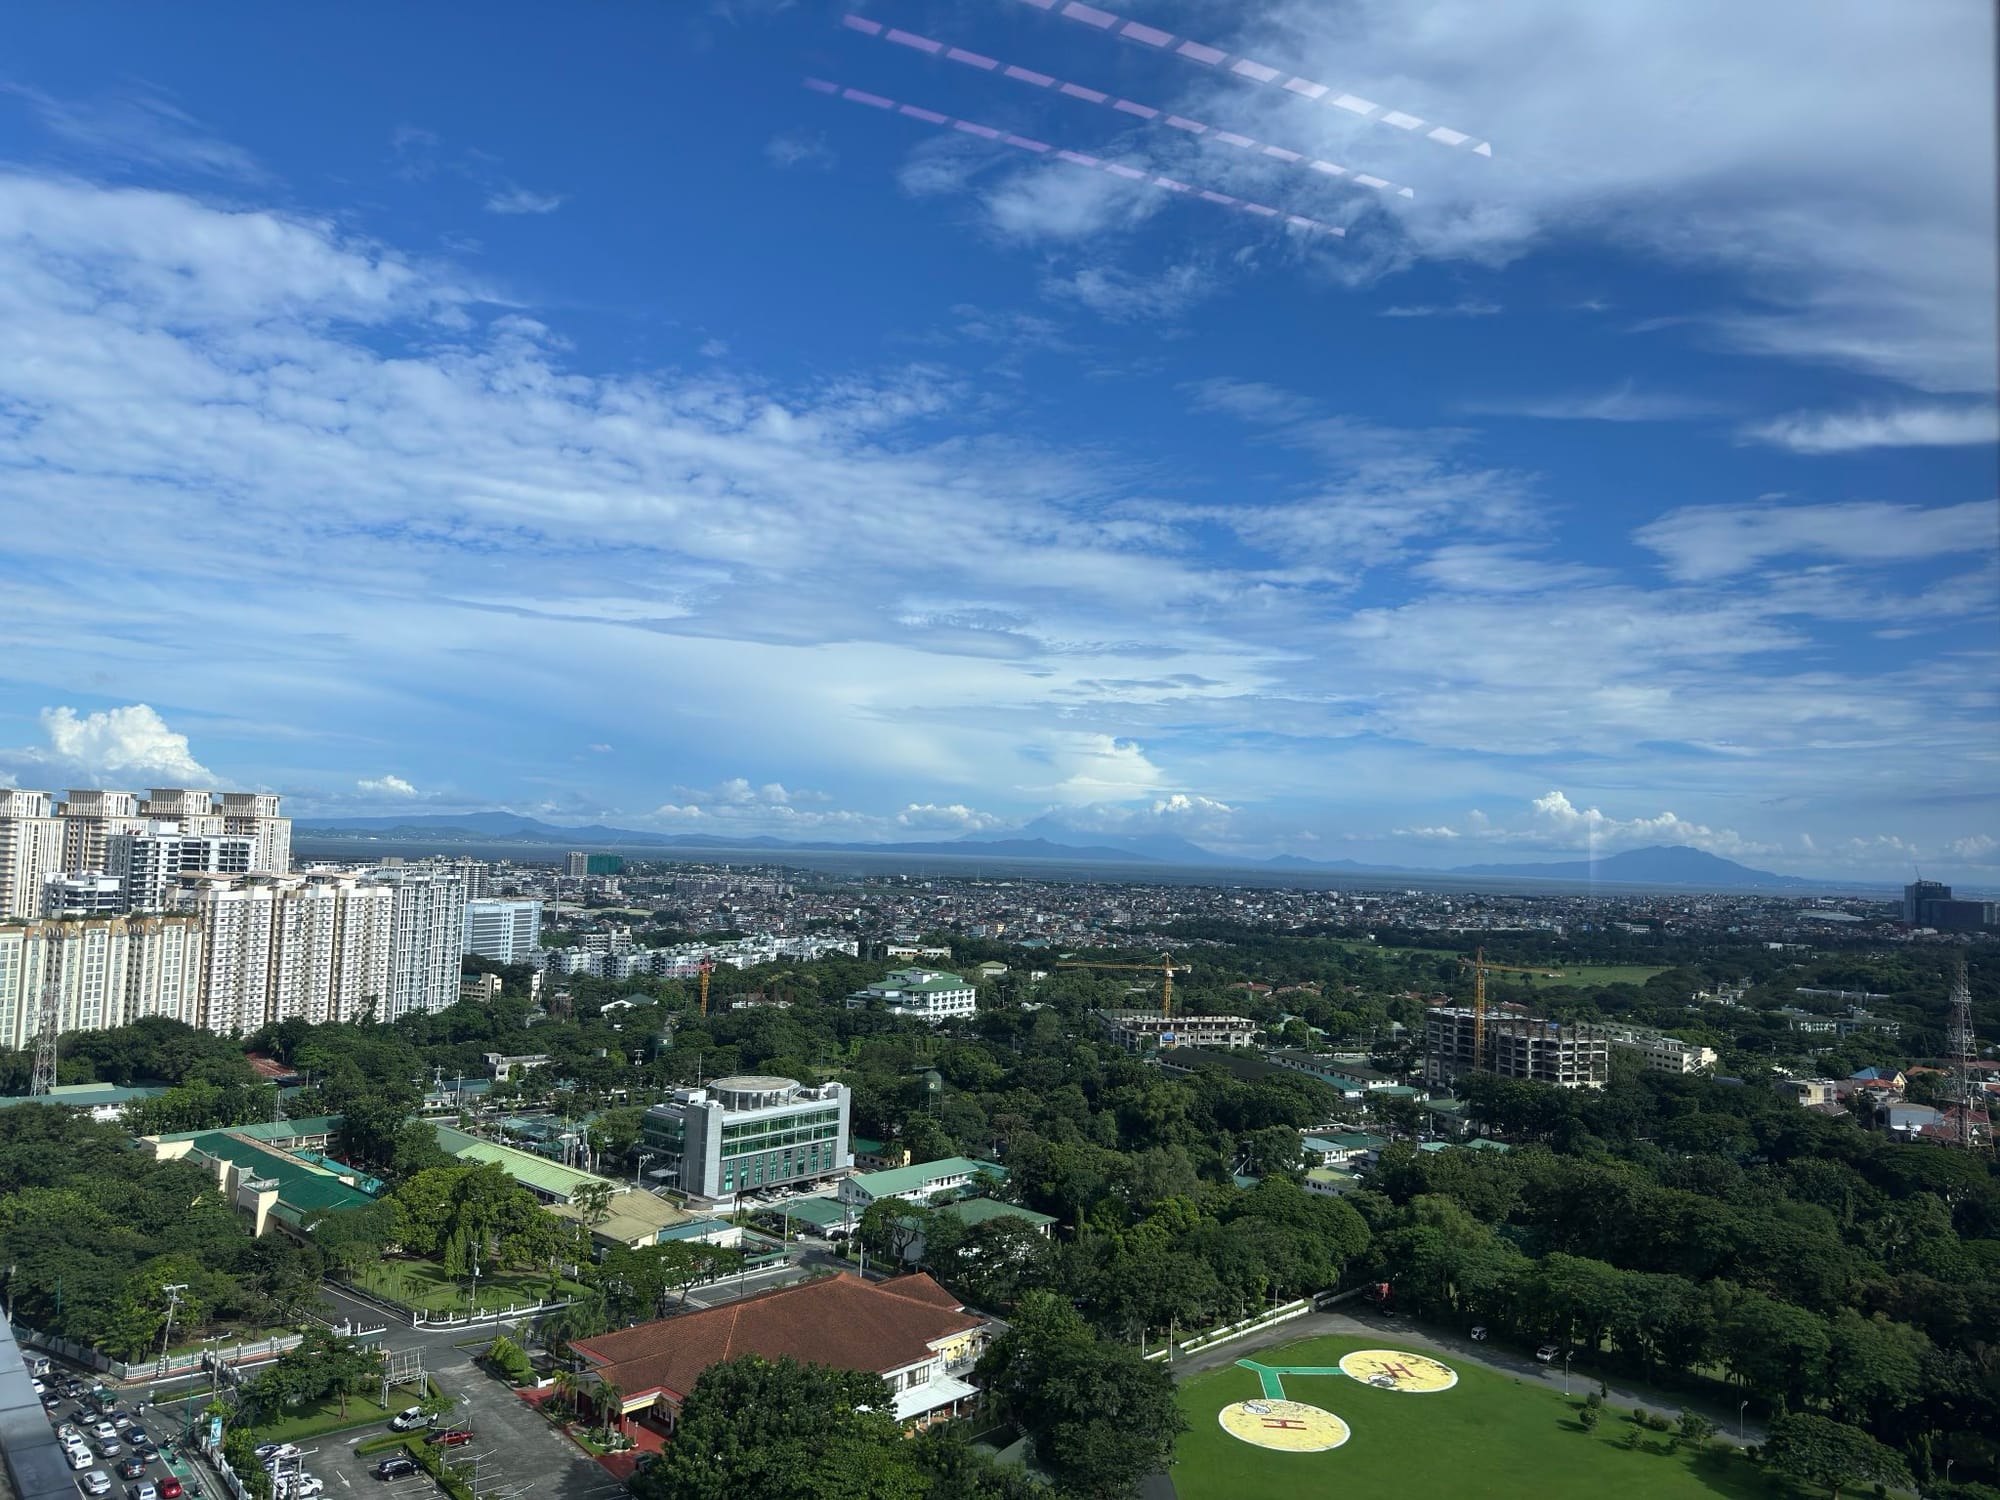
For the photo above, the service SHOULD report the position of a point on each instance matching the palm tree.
(566, 1383)
(609, 1397)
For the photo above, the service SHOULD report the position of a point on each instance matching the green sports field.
(1487, 1436)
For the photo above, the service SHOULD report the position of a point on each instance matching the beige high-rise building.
(108, 971)
(31, 850)
(256, 814)
(312, 946)
(90, 816)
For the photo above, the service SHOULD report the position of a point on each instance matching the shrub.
(1593, 1400)
(1588, 1416)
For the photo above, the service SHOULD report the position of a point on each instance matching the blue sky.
(569, 409)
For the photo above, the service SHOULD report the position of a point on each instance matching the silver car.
(97, 1482)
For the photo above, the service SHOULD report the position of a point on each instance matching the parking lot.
(128, 1468)
(513, 1452)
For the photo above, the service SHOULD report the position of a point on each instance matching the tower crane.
(1480, 969)
(1165, 968)
(707, 968)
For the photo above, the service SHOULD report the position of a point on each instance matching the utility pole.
(173, 1292)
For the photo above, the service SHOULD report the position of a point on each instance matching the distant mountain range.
(1676, 865)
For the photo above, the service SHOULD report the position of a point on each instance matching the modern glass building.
(747, 1134)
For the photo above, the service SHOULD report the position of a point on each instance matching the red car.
(450, 1437)
(170, 1488)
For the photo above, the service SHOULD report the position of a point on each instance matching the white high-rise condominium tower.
(150, 864)
(427, 941)
(504, 931)
(255, 815)
(316, 947)
(31, 850)
(108, 971)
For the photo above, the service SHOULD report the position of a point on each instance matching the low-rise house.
(877, 1156)
(928, 994)
(909, 1330)
(920, 1183)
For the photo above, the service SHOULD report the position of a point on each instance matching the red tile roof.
(839, 1321)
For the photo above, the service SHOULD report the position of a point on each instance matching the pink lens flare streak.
(1074, 158)
(1142, 111)
(1256, 72)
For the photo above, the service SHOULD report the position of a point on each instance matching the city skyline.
(591, 420)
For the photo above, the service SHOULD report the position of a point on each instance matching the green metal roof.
(86, 1095)
(971, 1211)
(526, 1168)
(903, 1182)
(302, 1189)
(1356, 1141)
(822, 1213)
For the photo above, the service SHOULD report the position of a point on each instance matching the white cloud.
(1435, 831)
(515, 199)
(130, 741)
(1124, 297)
(1974, 847)
(713, 348)
(799, 149)
(954, 817)
(1464, 308)
(600, 748)
(137, 125)
(386, 786)
(1622, 403)
(1700, 542)
(1900, 427)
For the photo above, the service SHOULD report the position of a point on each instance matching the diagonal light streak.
(1256, 72)
(1196, 128)
(1074, 158)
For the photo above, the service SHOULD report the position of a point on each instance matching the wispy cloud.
(1933, 426)
(385, 786)
(799, 149)
(1622, 403)
(1127, 297)
(138, 125)
(1700, 542)
(1467, 308)
(515, 199)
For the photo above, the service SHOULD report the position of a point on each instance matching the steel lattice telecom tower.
(48, 1024)
(1965, 1085)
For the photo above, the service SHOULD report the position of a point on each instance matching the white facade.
(316, 947)
(108, 971)
(150, 864)
(928, 994)
(31, 850)
(505, 931)
(425, 943)
(255, 816)
(83, 896)
(1143, 1030)
(1659, 1053)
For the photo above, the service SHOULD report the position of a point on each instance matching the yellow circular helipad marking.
(1397, 1370)
(1288, 1426)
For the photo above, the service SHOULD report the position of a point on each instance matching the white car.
(80, 1457)
(298, 1486)
(105, 1430)
(267, 1452)
(410, 1416)
(97, 1482)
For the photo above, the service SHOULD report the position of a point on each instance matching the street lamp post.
(1565, 1372)
(1947, 1470)
(1741, 1407)
(173, 1292)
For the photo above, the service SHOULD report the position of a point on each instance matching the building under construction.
(1541, 1051)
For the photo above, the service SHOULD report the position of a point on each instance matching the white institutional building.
(506, 931)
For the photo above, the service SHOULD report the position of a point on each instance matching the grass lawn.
(322, 1417)
(1489, 1436)
(423, 1283)
(1576, 976)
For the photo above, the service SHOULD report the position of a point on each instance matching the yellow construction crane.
(706, 969)
(1165, 968)
(1480, 969)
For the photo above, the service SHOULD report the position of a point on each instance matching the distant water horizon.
(1016, 867)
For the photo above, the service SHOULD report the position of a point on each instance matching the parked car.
(143, 1490)
(97, 1482)
(450, 1437)
(268, 1451)
(170, 1488)
(396, 1468)
(408, 1417)
(132, 1468)
(1549, 1353)
(298, 1486)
